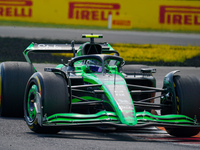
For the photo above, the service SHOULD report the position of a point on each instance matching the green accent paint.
(86, 98)
(102, 116)
(25, 53)
(59, 66)
(31, 100)
(110, 47)
(107, 116)
(145, 117)
(78, 53)
(91, 78)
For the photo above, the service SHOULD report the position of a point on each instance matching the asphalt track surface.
(109, 36)
(15, 135)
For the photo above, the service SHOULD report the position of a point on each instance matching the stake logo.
(179, 15)
(92, 11)
(16, 8)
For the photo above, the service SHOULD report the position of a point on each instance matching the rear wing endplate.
(50, 48)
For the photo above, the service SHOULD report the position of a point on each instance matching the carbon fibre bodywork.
(101, 94)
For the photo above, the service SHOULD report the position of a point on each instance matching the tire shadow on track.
(107, 135)
(140, 135)
(179, 140)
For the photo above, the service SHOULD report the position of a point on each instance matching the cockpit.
(97, 63)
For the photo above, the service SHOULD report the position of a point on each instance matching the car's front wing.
(107, 118)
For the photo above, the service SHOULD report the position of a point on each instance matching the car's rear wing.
(50, 48)
(67, 48)
(62, 48)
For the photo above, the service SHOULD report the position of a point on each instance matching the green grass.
(48, 25)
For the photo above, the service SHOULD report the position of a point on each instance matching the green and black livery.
(96, 88)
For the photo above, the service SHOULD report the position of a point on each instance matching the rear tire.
(13, 80)
(187, 102)
(53, 92)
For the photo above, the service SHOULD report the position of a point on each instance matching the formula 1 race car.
(96, 88)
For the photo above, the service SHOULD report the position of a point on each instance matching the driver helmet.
(94, 65)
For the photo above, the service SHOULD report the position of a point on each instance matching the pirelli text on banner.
(16, 8)
(181, 15)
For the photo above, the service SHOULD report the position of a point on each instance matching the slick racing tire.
(13, 80)
(51, 91)
(187, 103)
(133, 69)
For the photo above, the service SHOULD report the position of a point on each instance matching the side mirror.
(123, 64)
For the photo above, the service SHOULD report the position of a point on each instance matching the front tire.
(53, 91)
(187, 102)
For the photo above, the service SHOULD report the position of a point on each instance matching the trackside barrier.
(147, 14)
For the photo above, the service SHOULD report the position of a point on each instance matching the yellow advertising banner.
(147, 14)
